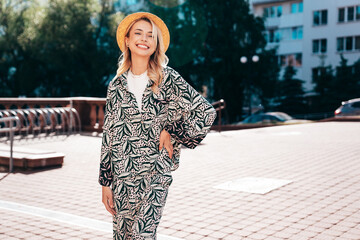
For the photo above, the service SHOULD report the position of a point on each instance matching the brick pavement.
(322, 202)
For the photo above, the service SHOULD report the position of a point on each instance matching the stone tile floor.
(323, 201)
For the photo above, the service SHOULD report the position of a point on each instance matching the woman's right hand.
(107, 199)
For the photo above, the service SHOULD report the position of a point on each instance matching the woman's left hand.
(165, 141)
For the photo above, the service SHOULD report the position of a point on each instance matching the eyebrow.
(142, 30)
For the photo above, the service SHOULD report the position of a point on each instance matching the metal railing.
(10, 128)
(45, 121)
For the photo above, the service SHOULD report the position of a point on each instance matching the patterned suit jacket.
(130, 142)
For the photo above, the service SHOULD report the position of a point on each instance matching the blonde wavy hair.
(158, 60)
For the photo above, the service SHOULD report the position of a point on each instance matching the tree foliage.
(291, 93)
(62, 49)
(336, 85)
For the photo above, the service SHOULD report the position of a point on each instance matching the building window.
(274, 36)
(271, 36)
(323, 45)
(298, 60)
(279, 11)
(294, 33)
(340, 44)
(348, 44)
(357, 43)
(291, 60)
(301, 7)
(320, 46)
(350, 14)
(287, 34)
(297, 33)
(341, 17)
(320, 17)
(316, 47)
(297, 7)
(266, 12)
(273, 11)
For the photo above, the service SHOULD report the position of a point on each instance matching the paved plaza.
(215, 193)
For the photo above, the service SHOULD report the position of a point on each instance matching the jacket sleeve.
(191, 114)
(105, 173)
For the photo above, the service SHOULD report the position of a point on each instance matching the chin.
(142, 54)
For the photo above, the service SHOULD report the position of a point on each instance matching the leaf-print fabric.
(130, 143)
(139, 203)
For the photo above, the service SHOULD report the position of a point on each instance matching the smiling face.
(140, 39)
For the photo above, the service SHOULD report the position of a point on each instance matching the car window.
(273, 118)
(248, 119)
(355, 105)
(269, 117)
(256, 118)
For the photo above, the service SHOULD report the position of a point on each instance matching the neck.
(139, 64)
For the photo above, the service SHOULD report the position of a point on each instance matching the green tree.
(77, 55)
(346, 82)
(333, 88)
(291, 93)
(63, 48)
(323, 78)
(18, 21)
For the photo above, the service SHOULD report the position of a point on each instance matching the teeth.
(142, 46)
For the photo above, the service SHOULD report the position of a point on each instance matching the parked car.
(349, 108)
(271, 118)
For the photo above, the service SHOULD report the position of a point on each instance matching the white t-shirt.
(137, 85)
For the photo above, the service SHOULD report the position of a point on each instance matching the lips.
(142, 46)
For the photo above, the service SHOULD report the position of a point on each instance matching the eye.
(137, 33)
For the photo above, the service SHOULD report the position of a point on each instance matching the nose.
(144, 37)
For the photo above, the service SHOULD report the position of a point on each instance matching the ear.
(126, 41)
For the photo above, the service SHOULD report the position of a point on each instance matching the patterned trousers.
(139, 203)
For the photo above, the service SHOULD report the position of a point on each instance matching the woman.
(150, 112)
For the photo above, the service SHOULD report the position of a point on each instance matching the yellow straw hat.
(125, 23)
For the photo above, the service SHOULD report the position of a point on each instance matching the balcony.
(285, 21)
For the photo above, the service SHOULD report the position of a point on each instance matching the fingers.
(165, 141)
(169, 148)
(108, 201)
(108, 207)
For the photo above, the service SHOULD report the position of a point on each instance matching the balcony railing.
(90, 110)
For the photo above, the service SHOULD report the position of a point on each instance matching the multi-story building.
(310, 34)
